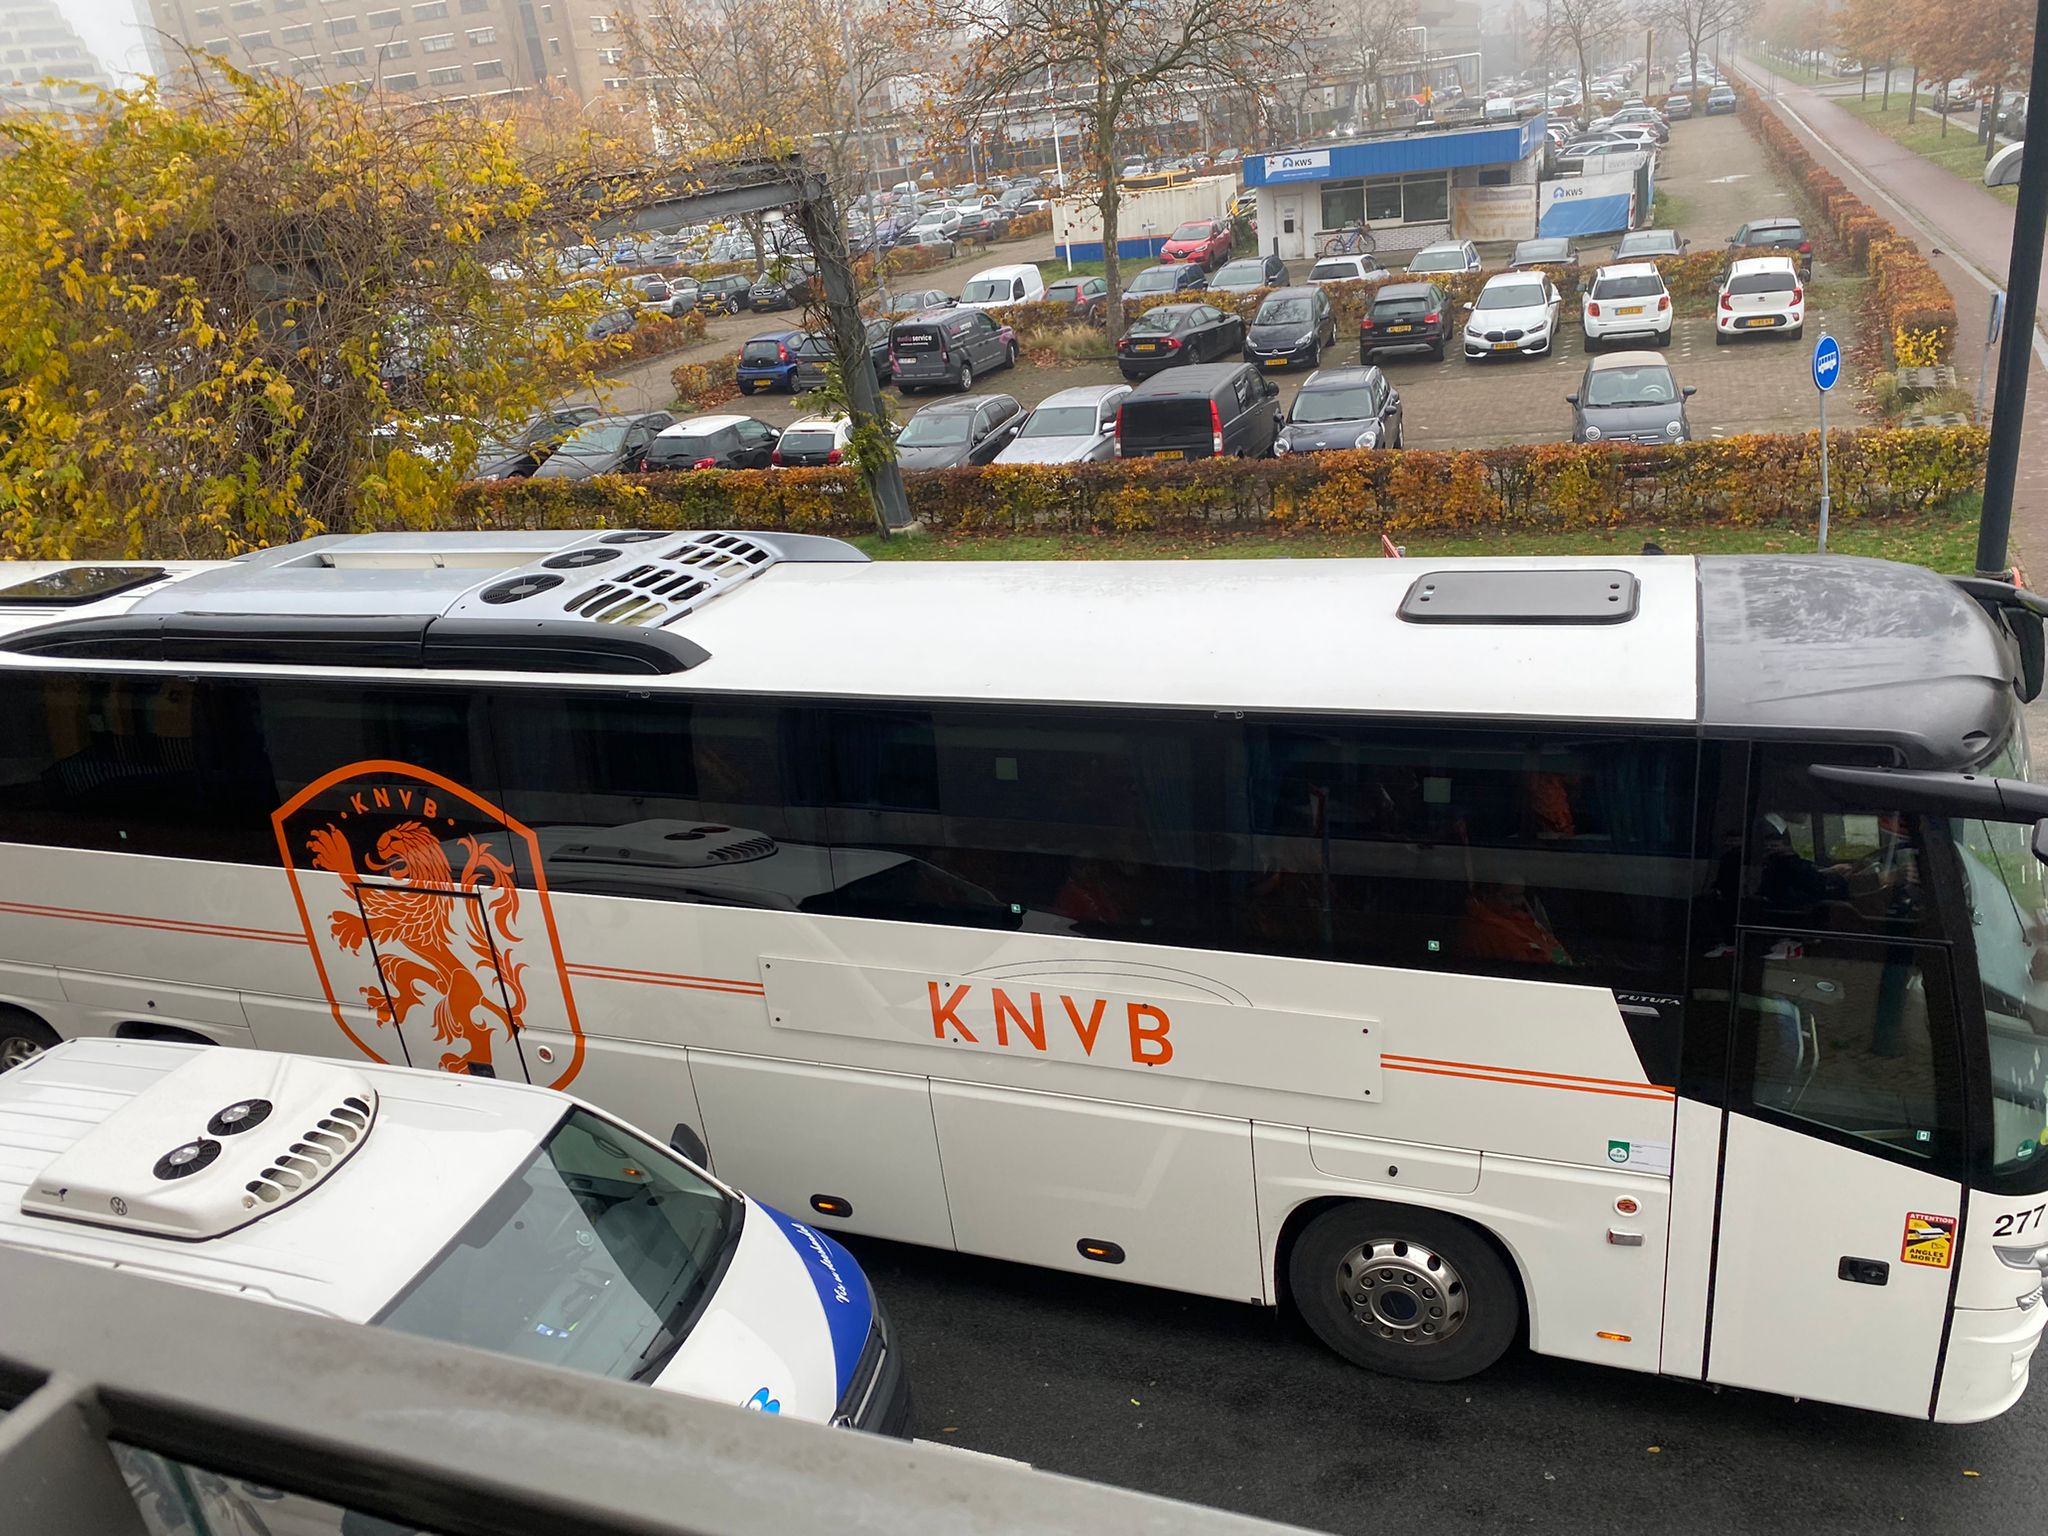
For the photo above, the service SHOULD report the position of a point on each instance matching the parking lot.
(1713, 173)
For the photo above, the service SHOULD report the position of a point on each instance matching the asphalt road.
(1240, 1408)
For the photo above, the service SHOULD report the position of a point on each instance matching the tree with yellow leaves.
(256, 312)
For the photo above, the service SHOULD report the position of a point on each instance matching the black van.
(1209, 410)
(950, 347)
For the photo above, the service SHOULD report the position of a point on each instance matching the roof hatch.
(211, 1146)
(1573, 596)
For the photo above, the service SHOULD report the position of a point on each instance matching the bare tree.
(1583, 28)
(1696, 21)
(1366, 34)
(1134, 65)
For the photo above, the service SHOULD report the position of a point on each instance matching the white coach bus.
(1641, 955)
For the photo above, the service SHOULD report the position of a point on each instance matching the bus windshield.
(597, 1256)
(2007, 888)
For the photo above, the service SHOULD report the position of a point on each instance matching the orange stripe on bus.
(1651, 1094)
(1567, 1077)
(162, 924)
(669, 979)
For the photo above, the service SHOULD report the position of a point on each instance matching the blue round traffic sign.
(1827, 362)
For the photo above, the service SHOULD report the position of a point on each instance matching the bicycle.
(1354, 239)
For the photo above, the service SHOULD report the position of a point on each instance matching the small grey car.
(1630, 397)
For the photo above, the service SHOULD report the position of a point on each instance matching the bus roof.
(1736, 643)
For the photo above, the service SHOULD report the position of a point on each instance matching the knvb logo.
(959, 1014)
(405, 885)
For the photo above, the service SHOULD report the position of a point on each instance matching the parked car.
(1214, 410)
(813, 442)
(1544, 253)
(994, 287)
(658, 296)
(1515, 314)
(1636, 135)
(1780, 234)
(1445, 256)
(1648, 244)
(768, 361)
(1074, 426)
(1157, 280)
(1087, 296)
(1630, 397)
(1720, 99)
(814, 355)
(1248, 274)
(1178, 335)
(940, 223)
(605, 445)
(1405, 317)
(727, 294)
(1205, 242)
(980, 226)
(949, 348)
(787, 285)
(1627, 299)
(971, 429)
(519, 455)
(712, 442)
(1341, 408)
(613, 322)
(1365, 268)
(1677, 109)
(552, 1232)
(1763, 293)
(1292, 326)
(913, 302)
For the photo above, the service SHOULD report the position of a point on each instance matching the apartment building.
(440, 49)
(38, 44)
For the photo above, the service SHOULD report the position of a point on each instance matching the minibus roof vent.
(219, 1141)
(1574, 596)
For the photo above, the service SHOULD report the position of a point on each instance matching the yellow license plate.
(1276, 362)
(1396, 330)
(1630, 309)
(1506, 346)
(1168, 453)
(1144, 346)
(1758, 320)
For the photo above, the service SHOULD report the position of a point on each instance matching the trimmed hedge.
(1917, 309)
(1876, 472)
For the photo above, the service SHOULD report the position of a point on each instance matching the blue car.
(769, 361)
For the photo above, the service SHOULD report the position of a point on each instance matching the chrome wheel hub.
(1402, 1292)
(18, 1049)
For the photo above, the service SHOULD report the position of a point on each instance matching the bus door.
(1841, 1189)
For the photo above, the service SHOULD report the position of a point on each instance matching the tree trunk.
(1107, 204)
(1884, 105)
(1942, 107)
(1990, 117)
(1913, 100)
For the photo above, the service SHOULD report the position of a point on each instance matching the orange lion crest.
(412, 948)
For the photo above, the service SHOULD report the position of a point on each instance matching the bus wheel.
(1403, 1291)
(23, 1037)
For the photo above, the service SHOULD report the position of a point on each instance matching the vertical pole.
(1059, 170)
(1823, 471)
(2022, 296)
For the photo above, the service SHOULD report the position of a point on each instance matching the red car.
(1204, 242)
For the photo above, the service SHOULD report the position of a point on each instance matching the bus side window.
(1811, 866)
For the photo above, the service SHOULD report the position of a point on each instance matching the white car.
(1074, 426)
(1348, 269)
(995, 287)
(1515, 313)
(481, 1211)
(813, 442)
(1762, 293)
(1445, 256)
(1629, 299)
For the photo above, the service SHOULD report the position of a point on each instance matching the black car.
(1154, 281)
(970, 429)
(1405, 317)
(1776, 235)
(1214, 410)
(815, 351)
(712, 442)
(1292, 326)
(1342, 408)
(522, 453)
(605, 445)
(724, 295)
(784, 286)
(1544, 253)
(1174, 335)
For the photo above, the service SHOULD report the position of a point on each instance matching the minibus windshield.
(598, 1256)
